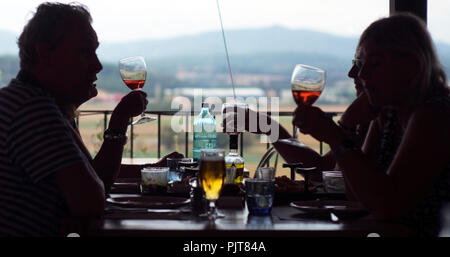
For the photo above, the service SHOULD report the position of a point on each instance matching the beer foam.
(214, 155)
(212, 158)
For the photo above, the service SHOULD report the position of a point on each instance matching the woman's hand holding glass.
(313, 121)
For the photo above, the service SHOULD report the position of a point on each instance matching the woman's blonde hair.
(404, 34)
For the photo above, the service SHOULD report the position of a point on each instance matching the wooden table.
(283, 221)
(281, 233)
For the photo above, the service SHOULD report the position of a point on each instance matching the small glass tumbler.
(266, 173)
(333, 182)
(154, 179)
(174, 173)
(259, 195)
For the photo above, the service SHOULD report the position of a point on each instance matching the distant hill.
(275, 39)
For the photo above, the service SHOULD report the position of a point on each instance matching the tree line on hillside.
(212, 72)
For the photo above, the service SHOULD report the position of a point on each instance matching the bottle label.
(204, 133)
(239, 175)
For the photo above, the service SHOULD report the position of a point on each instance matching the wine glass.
(133, 71)
(212, 175)
(307, 84)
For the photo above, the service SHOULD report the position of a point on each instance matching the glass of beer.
(212, 175)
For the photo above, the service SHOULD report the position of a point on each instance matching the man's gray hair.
(49, 24)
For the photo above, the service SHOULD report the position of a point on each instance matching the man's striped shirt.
(35, 142)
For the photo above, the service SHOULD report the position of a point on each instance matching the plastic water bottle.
(204, 132)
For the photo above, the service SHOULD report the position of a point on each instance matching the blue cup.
(174, 173)
(259, 195)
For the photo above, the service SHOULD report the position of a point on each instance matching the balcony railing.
(187, 115)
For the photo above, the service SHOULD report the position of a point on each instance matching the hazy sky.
(137, 19)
